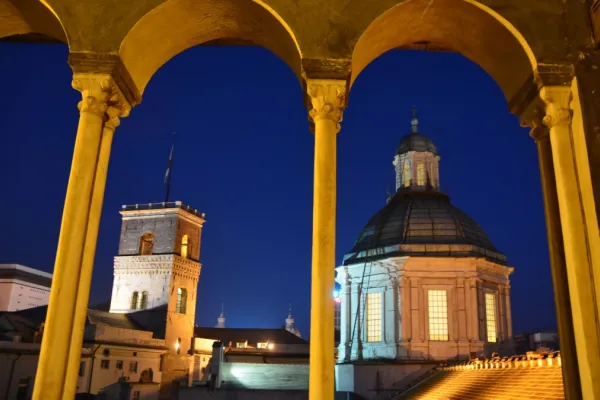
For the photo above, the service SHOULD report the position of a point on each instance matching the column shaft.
(557, 265)
(576, 238)
(327, 98)
(89, 252)
(56, 351)
(56, 376)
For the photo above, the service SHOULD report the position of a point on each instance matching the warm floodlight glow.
(374, 317)
(490, 317)
(438, 315)
(270, 346)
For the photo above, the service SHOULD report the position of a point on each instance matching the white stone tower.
(221, 319)
(290, 324)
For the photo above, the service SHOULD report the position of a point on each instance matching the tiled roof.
(252, 335)
(517, 378)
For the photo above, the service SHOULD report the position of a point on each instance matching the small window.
(241, 345)
(420, 174)
(438, 315)
(490, 317)
(82, 368)
(146, 244)
(136, 395)
(104, 364)
(134, 300)
(181, 306)
(184, 246)
(106, 352)
(262, 345)
(120, 364)
(143, 301)
(406, 174)
(133, 366)
(374, 321)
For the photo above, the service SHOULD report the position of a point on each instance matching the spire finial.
(414, 122)
(290, 307)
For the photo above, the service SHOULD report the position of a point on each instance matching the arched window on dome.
(406, 174)
(146, 244)
(420, 174)
(181, 305)
(184, 246)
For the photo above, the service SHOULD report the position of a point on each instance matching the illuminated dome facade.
(423, 281)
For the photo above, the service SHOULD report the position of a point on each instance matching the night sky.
(244, 156)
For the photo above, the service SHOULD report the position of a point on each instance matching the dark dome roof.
(422, 223)
(416, 142)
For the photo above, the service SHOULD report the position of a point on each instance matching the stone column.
(328, 100)
(481, 328)
(473, 311)
(558, 268)
(579, 232)
(501, 318)
(509, 331)
(63, 334)
(117, 108)
(346, 316)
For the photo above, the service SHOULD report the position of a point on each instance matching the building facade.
(423, 281)
(23, 287)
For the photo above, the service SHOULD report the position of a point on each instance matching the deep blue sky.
(244, 155)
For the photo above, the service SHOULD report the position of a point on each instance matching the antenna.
(169, 168)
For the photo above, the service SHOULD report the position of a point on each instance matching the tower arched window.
(406, 174)
(421, 174)
(184, 246)
(134, 300)
(181, 306)
(146, 244)
(143, 301)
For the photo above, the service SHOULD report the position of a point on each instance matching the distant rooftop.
(32, 275)
(163, 205)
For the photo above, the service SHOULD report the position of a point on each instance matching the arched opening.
(29, 21)
(184, 246)
(153, 40)
(143, 301)
(134, 300)
(490, 41)
(181, 305)
(146, 244)
(460, 127)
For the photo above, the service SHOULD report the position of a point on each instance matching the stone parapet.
(530, 360)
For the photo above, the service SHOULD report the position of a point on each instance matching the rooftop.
(533, 376)
(252, 335)
(163, 206)
(17, 271)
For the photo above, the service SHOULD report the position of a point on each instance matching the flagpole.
(169, 168)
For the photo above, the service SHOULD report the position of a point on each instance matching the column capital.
(533, 118)
(328, 99)
(101, 96)
(110, 65)
(557, 100)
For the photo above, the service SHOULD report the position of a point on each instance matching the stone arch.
(464, 26)
(176, 25)
(30, 20)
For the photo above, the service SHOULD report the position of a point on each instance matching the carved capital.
(328, 99)
(101, 96)
(532, 118)
(557, 99)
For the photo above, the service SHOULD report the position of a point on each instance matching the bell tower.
(156, 275)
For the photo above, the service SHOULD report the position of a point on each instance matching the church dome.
(416, 142)
(422, 223)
